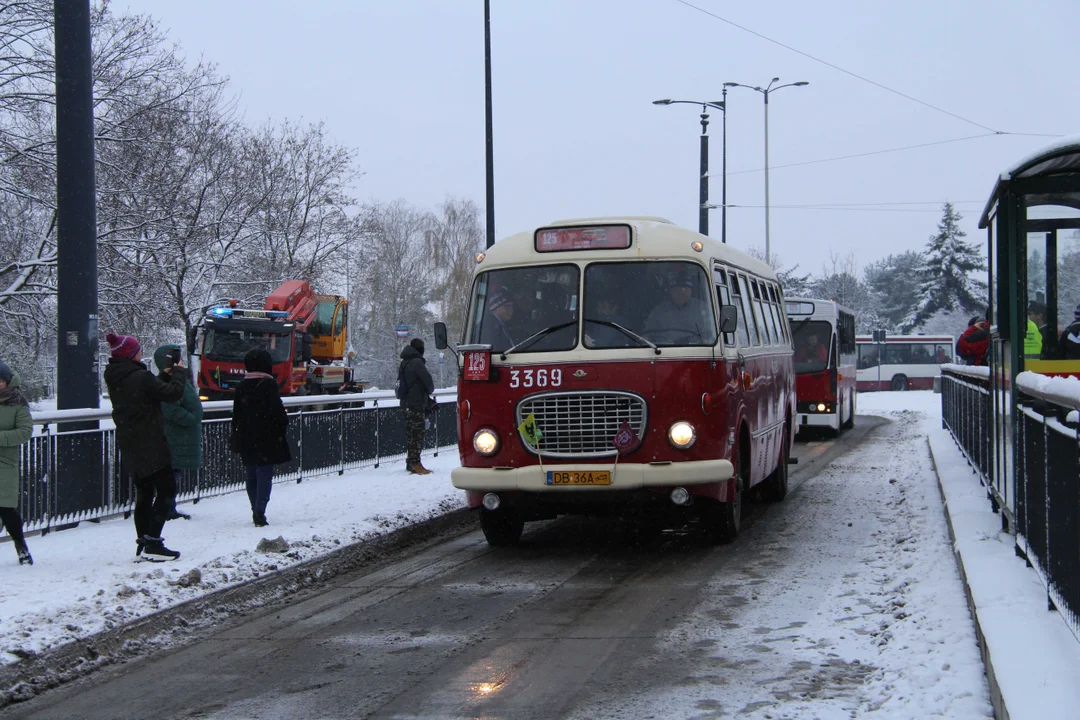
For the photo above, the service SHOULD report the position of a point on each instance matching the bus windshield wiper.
(629, 333)
(536, 336)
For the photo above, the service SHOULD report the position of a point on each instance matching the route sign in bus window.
(600, 237)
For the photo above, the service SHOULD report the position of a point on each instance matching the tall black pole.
(703, 211)
(76, 271)
(490, 142)
(723, 191)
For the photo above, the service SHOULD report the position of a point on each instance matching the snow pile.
(1061, 390)
(976, 371)
(87, 579)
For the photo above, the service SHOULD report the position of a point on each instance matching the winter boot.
(177, 515)
(24, 555)
(419, 469)
(156, 548)
(259, 519)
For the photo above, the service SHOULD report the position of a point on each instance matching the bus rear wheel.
(501, 528)
(899, 382)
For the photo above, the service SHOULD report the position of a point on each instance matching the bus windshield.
(666, 303)
(230, 345)
(811, 340)
(514, 304)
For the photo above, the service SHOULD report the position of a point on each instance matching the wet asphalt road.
(543, 630)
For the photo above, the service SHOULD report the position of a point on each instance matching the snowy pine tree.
(945, 282)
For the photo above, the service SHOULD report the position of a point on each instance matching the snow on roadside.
(87, 579)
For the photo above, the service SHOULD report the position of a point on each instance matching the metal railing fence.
(1045, 505)
(71, 476)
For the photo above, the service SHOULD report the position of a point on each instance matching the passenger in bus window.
(942, 356)
(496, 326)
(681, 319)
(606, 308)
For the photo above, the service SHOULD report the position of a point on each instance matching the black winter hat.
(5, 372)
(418, 345)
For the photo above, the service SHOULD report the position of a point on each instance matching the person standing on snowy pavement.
(183, 421)
(973, 343)
(15, 430)
(258, 430)
(136, 396)
(418, 389)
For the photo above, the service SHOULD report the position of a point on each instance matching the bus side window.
(868, 356)
(748, 313)
(759, 313)
(736, 300)
(723, 295)
(785, 331)
(774, 314)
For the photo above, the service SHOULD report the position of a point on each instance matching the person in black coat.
(136, 396)
(258, 430)
(418, 389)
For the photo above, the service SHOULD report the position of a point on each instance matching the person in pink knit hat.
(136, 395)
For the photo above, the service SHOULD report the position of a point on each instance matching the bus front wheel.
(501, 527)
(899, 382)
(722, 520)
(851, 412)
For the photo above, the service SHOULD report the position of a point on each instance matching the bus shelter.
(1016, 420)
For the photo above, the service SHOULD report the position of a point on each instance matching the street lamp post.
(703, 186)
(765, 93)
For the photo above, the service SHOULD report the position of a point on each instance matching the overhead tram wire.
(969, 121)
(849, 208)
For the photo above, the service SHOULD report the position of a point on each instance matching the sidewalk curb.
(182, 623)
(997, 699)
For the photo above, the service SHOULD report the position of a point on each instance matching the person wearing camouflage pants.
(418, 388)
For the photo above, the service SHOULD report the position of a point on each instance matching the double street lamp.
(765, 92)
(703, 199)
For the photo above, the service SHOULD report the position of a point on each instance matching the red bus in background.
(621, 366)
(825, 376)
(902, 362)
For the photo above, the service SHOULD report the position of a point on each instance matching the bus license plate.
(579, 477)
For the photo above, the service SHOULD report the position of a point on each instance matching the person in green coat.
(183, 423)
(15, 430)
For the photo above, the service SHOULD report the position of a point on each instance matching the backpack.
(402, 389)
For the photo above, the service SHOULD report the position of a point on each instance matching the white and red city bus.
(902, 362)
(824, 339)
(612, 365)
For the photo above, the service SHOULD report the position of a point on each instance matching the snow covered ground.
(899, 638)
(86, 579)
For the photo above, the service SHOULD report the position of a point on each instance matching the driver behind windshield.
(681, 318)
(812, 351)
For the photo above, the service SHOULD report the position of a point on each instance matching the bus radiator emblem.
(580, 373)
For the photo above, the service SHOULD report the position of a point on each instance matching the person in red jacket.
(974, 342)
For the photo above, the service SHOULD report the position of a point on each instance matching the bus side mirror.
(440, 336)
(729, 318)
(192, 336)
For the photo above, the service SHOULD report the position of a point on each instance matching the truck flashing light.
(596, 237)
(236, 312)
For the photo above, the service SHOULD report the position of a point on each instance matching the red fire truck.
(304, 332)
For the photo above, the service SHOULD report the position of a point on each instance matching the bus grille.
(582, 424)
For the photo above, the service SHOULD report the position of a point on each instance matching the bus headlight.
(681, 434)
(486, 442)
(821, 407)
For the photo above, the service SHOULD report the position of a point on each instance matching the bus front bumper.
(624, 476)
(819, 420)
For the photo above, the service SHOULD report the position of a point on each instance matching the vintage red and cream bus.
(823, 333)
(902, 362)
(619, 365)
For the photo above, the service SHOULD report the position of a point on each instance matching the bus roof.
(651, 237)
(821, 308)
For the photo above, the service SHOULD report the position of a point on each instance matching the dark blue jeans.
(260, 480)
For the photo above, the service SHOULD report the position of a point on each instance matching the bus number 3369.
(536, 378)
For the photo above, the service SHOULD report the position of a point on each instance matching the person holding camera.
(183, 421)
(136, 395)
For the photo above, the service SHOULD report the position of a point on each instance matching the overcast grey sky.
(402, 82)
